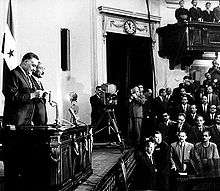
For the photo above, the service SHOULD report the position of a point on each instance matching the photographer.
(136, 102)
(97, 105)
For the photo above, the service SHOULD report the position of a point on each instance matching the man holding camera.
(136, 102)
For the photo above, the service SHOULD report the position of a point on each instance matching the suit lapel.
(23, 76)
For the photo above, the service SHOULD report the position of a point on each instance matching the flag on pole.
(8, 47)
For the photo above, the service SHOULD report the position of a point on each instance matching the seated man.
(183, 157)
(206, 149)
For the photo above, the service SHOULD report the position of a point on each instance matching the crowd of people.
(196, 14)
(182, 126)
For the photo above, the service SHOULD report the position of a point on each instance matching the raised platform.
(112, 170)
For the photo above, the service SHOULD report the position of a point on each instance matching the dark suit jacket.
(195, 13)
(190, 120)
(173, 132)
(98, 106)
(215, 100)
(159, 106)
(207, 17)
(215, 135)
(201, 111)
(40, 113)
(165, 129)
(208, 120)
(145, 177)
(19, 108)
(196, 134)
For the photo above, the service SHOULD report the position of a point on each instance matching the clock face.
(129, 27)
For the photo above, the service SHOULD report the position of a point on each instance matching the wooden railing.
(60, 154)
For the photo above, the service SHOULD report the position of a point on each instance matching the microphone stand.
(54, 104)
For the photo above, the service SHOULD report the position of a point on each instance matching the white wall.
(37, 29)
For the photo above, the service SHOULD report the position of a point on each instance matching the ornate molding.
(120, 12)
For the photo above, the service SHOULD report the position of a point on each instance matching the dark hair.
(157, 132)
(182, 114)
(148, 140)
(207, 131)
(162, 90)
(208, 3)
(29, 56)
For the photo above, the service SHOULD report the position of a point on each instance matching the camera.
(109, 94)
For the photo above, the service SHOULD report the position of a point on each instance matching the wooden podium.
(48, 157)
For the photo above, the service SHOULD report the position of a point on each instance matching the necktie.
(30, 82)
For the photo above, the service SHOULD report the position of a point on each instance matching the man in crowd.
(213, 99)
(215, 131)
(192, 115)
(210, 118)
(195, 13)
(161, 157)
(165, 126)
(20, 93)
(216, 13)
(136, 103)
(197, 130)
(207, 14)
(97, 105)
(182, 154)
(206, 149)
(181, 14)
(145, 177)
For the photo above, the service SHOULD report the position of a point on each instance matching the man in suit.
(97, 105)
(207, 14)
(197, 130)
(213, 99)
(184, 107)
(165, 126)
(181, 14)
(181, 125)
(145, 177)
(40, 113)
(210, 119)
(192, 115)
(203, 107)
(215, 131)
(160, 104)
(136, 103)
(20, 93)
(161, 157)
(195, 12)
(182, 154)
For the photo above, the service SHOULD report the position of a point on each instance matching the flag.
(8, 47)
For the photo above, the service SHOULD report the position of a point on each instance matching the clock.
(129, 27)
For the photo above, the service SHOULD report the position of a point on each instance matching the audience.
(216, 13)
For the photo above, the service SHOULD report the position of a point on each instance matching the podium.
(48, 157)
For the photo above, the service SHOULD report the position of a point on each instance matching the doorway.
(129, 63)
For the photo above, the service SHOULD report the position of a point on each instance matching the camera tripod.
(111, 125)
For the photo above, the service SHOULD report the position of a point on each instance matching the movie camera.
(109, 94)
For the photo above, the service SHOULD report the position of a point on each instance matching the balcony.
(182, 43)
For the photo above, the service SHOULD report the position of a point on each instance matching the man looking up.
(19, 93)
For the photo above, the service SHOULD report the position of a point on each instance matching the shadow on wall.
(69, 84)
